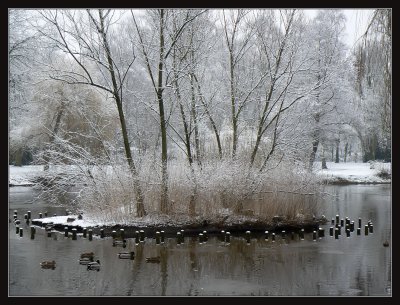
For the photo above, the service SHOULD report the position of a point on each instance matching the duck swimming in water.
(85, 260)
(119, 243)
(128, 255)
(48, 264)
(94, 265)
(87, 255)
(155, 259)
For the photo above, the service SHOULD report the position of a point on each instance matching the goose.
(94, 265)
(48, 264)
(155, 259)
(129, 255)
(87, 255)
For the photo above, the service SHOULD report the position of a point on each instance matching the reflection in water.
(358, 265)
(164, 273)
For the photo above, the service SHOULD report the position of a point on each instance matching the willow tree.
(374, 82)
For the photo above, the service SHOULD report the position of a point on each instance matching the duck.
(386, 243)
(48, 264)
(129, 255)
(49, 227)
(87, 255)
(85, 260)
(119, 243)
(94, 265)
(155, 259)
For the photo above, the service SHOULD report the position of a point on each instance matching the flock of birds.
(87, 258)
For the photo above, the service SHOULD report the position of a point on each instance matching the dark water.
(358, 265)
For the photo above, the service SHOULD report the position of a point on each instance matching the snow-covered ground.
(336, 172)
(353, 172)
(23, 175)
(63, 220)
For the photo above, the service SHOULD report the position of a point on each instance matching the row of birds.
(87, 258)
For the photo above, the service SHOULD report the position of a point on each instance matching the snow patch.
(352, 172)
(62, 220)
(24, 175)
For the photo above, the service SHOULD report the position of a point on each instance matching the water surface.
(358, 265)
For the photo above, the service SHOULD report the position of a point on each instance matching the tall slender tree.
(87, 42)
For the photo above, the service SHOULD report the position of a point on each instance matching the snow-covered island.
(337, 173)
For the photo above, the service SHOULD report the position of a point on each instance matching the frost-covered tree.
(329, 65)
(285, 62)
(165, 33)
(86, 37)
(373, 68)
(23, 55)
(22, 46)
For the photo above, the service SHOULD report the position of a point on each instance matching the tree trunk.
(140, 210)
(315, 143)
(324, 163)
(274, 142)
(213, 125)
(345, 151)
(257, 144)
(54, 133)
(323, 158)
(337, 151)
(183, 115)
(233, 106)
(163, 127)
(192, 200)
(194, 117)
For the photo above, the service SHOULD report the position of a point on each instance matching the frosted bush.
(220, 189)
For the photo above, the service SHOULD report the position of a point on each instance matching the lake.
(358, 265)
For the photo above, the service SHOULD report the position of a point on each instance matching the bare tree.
(279, 43)
(329, 58)
(87, 41)
(237, 36)
(166, 43)
(23, 46)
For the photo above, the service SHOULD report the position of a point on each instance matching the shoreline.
(256, 227)
(332, 181)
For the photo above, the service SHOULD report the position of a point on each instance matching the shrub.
(382, 171)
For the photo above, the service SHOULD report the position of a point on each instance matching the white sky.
(357, 20)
